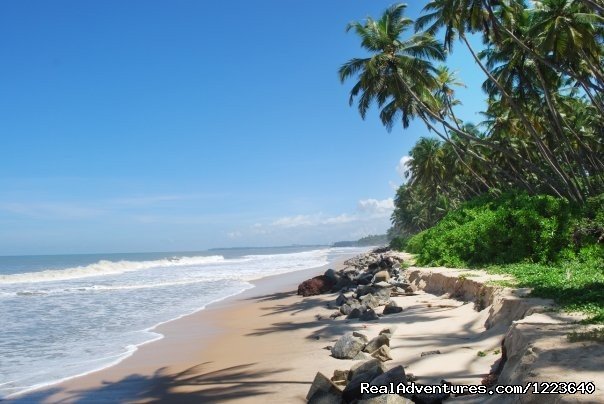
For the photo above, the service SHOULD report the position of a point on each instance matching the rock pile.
(366, 283)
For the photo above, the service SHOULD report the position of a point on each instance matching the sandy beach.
(268, 343)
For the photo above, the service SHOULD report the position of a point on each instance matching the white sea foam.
(66, 322)
(105, 267)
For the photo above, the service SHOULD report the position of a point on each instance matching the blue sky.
(185, 125)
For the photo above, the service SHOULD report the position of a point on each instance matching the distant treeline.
(373, 239)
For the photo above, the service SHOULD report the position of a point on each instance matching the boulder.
(340, 375)
(315, 286)
(364, 278)
(321, 383)
(361, 373)
(382, 354)
(383, 284)
(395, 375)
(347, 347)
(341, 299)
(372, 365)
(361, 356)
(355, 313)
(381, 276)
(373, 266)
(383, 295)
(376, 343)
(392, 308)
(369, 301)
(386, 399)
(332, 275)
(361, 336)
(369, 315)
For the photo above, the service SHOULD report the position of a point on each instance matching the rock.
(341, 299)
(354, 313)
(382, 276)
(339, 375)
(383, 295)
(351, 304)
(325, 397)
(322, 384)
(389, 331)
(370, 301)
(371, 365)
(364, 279)
(315, 286)
(361, 356)
(386, 399)
(347, 347)
(369, 315)
(382, 354)
(382, 284)
(361, 373)
(373, 266)
(392, 308)
(361, 336)
(395, 375)
(376, 343)
(335, 314)
(332, 275)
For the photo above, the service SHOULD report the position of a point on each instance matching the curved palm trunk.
(498, 27)
(547, 154)
(535, 169)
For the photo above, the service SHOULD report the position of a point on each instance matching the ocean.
(67, 315)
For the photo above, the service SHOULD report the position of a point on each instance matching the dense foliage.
(543, 131)
(523, 189)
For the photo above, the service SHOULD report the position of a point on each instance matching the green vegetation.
(521, 192)
(596, 334)
(371, 240)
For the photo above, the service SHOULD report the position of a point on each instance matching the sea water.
(68, 315)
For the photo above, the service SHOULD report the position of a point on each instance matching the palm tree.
(397, 70)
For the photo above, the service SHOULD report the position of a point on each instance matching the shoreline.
(164, 329)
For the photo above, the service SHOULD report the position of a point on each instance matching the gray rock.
(321, 383)
(361, 373)
(369, 315)
(361, 356)
(382, 284)
(371, 366)
(382, 354)
(383, 295)
(395, 375)
(386, 399)
(333, 275)
(355, 313)
(339, 375)
(341, 299)
(376, 343)
(370, 301)
(335, 314)
(389, 331)
(392, 308)
(347, 347)
(361, 336)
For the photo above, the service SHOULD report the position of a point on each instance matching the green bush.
(488, 230)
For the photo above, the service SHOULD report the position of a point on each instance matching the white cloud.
(403, 167)
(295, 221)
(376, 207)
(234, 234)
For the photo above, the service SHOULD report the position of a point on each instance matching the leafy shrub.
(488, 230)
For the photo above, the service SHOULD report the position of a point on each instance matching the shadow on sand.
(193, 385)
